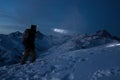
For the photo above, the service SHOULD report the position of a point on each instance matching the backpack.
(26, 35)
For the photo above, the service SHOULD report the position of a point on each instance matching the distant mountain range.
(11, 47)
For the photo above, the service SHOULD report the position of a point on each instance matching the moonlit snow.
(79, 57)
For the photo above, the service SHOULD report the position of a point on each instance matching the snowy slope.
(75, 57)
(97, 63)
(11, 47)
(85, 41)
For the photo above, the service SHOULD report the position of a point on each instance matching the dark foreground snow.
(96, 63)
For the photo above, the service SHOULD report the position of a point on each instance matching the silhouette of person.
(29, 44)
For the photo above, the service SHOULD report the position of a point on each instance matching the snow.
(98, 63)
(66, 59)
(113, 44)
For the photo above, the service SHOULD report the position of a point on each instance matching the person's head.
(33, 28)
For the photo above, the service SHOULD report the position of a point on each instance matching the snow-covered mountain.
(11, 47)
(65, 57)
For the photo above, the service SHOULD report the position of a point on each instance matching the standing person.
(29, 44)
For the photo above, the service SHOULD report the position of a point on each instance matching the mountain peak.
(103, 33)
(16, 34)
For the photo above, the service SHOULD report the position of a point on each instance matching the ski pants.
(27, 53)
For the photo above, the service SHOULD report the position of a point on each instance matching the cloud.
(61, 31)
(6, 29)
(74, 21)
(42, 11)
(60, 14)
(7, 14)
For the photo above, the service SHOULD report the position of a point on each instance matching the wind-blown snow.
(99, 63)
(113, 45)
(80, 57)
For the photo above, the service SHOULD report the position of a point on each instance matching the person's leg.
(33, 55)
(25, 56)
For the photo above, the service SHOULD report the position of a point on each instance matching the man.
(29, 44)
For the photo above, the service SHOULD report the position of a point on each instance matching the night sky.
(74, 16)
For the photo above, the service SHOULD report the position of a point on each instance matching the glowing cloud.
(62, 31)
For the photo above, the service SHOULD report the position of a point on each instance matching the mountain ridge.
(11, 47)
